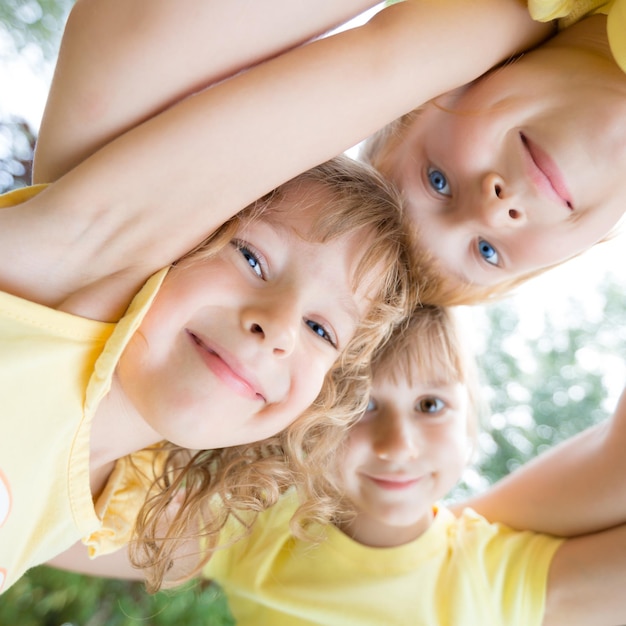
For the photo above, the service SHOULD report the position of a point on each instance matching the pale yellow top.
(461, 572)
(568, 12)
(54, 370)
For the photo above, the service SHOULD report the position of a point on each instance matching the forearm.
(577, 487)
(114, 565)
(216, 151)
(321, 98)
(123, 61)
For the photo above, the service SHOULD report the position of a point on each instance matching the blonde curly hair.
(181, 515)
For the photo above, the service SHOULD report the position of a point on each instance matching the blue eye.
(371, 405)
(488, 252)
(250, 256)
(430, 405)
(321, 332)
(438, 181)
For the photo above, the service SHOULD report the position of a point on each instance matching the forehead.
(418, 377)
(308, 209)
(312, 214)
(324, 270)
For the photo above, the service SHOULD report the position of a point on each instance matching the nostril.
(255, 328)
(514, 214)
(498, 190)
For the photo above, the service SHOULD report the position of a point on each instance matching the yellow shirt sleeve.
(121, 499)
(568, 12)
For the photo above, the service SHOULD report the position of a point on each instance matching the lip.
(394, 483)
(227, 369)
(545, 173)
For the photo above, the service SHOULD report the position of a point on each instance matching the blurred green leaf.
(48, 597)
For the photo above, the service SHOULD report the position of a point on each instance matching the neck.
(116, 431)
(369, 531)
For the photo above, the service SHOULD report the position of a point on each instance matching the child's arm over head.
(122, 62)
(110, 79)
(577, 487)
(154, 193)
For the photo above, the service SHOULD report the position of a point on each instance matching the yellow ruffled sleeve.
(122, 498)
(568, 12)
(616, 28)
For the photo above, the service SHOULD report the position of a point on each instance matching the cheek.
(542, 248)
(454, 449)
(447, 242)
(310, 376)
(168, 307)
(355, 451)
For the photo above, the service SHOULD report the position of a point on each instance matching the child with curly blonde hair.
(146, 298)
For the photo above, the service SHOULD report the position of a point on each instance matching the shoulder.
(501, 571)
(499, 540)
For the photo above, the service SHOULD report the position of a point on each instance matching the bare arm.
(114, 565)
(577, 487)
(190, 168)
(122, 62)
(586, 581)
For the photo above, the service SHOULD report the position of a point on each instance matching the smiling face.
(406, 452)
(236, 346)
(523, 168)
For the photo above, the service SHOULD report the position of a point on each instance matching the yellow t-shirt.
(54, 370)
(568, 12)
(460, 572)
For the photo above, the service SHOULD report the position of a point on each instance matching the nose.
(396, 439)
(497, 204)
(275, 325)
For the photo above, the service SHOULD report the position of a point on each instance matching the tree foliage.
(544, 390)
(17, 142)
(36, 23)
(48, 597)
(30, 29)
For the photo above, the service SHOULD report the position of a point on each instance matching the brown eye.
(430, 405)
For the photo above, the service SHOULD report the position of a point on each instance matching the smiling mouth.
(547, 175)
(395, 484)
(225, 371)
